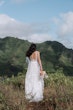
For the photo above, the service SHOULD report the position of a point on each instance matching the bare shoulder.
(37, 52)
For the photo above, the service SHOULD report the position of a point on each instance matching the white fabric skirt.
(34, 84)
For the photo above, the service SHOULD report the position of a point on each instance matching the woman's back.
(34, 56)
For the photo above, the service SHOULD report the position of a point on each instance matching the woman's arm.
(39, 61)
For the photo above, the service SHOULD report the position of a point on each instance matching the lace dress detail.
(34, 84)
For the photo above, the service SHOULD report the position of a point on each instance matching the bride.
(34, 84)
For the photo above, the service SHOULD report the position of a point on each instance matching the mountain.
(54, 55)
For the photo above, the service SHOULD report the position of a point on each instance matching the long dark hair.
(31, 49)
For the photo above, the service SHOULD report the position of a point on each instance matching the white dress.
(34, 84)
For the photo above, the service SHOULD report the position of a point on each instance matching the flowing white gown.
(34, 84)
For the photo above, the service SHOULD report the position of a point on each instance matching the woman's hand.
(41, 72)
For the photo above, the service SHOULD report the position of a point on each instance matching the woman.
(34, 84)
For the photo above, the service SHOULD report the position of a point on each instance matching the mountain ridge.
(54, 55)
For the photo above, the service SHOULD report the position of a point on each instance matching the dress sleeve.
(27, 60)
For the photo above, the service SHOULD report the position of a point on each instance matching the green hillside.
(54, 56)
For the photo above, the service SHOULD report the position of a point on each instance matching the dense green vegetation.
(58, 93)
(54, 55)
(57, 60)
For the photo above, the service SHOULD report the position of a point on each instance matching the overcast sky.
(37, 20)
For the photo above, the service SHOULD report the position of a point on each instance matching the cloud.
(66, 25)
(39, 38)
(2, 2)
(32, 32)
(61, 30)
(64, 28)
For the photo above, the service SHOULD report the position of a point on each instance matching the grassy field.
(58, 93)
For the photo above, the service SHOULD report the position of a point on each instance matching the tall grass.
(58, 93)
